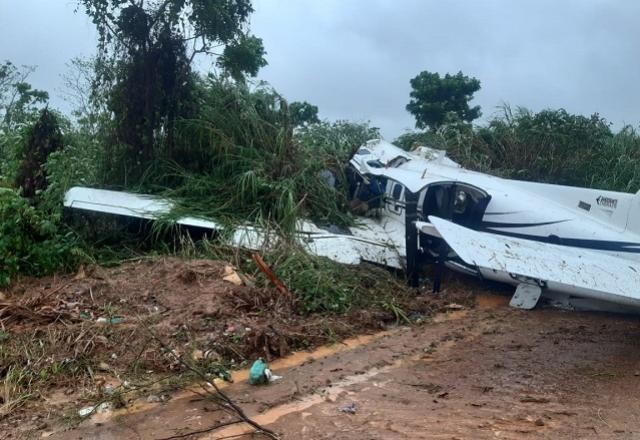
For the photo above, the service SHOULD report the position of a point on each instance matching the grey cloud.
(354, 58)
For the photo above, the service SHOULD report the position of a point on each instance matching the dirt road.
(487, 372)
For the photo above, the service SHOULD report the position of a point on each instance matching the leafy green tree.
(18, 99)
(145, 52)
(303, 113)
(436, 101)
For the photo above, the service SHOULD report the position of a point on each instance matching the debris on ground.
(258, 373)
(350, 408)
(89, 410)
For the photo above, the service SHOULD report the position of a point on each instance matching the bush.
(30, 243)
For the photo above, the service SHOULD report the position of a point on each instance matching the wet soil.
(473, 373)
(119, 335)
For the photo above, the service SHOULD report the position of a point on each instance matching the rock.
(539, 422)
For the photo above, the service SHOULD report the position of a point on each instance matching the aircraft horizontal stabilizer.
(558, 268)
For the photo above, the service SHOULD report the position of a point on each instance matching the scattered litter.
(197, 355)
(88, 410)
(155, 398)
(350, 408)
(113, 320)
(116, 320)
(231, 276)
(260, 374)
(270, 376)
(109, 390)
(85, 316)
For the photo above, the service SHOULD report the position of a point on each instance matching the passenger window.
(397, 191)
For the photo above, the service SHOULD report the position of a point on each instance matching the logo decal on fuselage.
(607, 202)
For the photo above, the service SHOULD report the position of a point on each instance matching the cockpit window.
(362, 152)
(375, 164)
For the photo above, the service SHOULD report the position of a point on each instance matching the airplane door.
(394, 212)
(461, 203)
(394, 202)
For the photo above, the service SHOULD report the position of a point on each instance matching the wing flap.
(578, 271)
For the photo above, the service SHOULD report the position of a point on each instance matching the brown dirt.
(68, 358)
(490, 372)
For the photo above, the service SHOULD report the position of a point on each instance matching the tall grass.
(240, 161)
(551, 146)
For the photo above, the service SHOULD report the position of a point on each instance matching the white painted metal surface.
(579, 272)
(367, 242)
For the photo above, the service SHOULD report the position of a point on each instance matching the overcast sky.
(354, 58)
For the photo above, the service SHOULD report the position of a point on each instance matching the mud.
(487, 372)
(75, 340)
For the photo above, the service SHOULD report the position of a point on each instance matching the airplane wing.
(129, 205)
(585, 273)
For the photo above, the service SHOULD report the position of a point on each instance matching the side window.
(396, 193)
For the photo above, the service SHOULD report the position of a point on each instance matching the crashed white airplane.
(578, 247)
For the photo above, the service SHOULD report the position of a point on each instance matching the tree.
(303, 113)
(18, 100)
(42, 139)
(436, 101)
(145, 52)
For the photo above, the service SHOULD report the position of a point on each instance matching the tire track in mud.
(490, 372)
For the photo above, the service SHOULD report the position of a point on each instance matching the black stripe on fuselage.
(599, 245)
(485, 225)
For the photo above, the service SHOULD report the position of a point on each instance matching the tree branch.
(218, 392)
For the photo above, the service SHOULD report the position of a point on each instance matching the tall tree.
(145, 51)
(19, 102)
(303, 113)
(436, 101)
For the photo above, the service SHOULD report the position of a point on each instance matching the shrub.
(30, 243)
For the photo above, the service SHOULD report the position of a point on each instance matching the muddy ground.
(482, 371)
(490, 372)
(122, 334)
